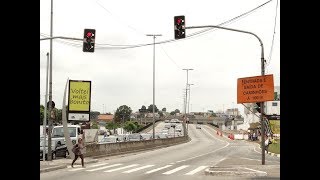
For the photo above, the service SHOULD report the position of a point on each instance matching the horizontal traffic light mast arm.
(230, 29)
(62, 37)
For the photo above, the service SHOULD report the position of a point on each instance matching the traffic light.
(89, 40)
(179, 27)
(258, 107)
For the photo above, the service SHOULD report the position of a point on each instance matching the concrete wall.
(123, 147)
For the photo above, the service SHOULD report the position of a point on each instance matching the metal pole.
(154, 67)
(45, 113)
(185, 107)
(189, 103)
(50, 88)
(262, 73)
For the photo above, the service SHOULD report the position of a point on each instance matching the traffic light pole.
(262, 73)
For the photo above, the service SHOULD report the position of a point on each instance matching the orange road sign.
(255, 89)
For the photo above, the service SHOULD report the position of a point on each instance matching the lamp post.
(185, 107)
(154, 57)
(189, 103)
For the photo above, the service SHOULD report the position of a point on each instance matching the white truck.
(74, 131)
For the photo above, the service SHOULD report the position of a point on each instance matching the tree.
(94, 114)
(111, 126)
(130, 126)
(94, 125)
(177, 111)
(172, 113)
(161, 114)
(150, 108)
(122, 114)
(41, 114)
(164, 109)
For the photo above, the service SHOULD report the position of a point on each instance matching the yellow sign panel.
(79, 95)
(255, 89)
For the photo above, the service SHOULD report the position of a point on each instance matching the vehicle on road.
(198, 126)
(74, 131)
(166, 121)
(134, 137)
(58, 149)
(108, 139)
(146, 136)
(168, 126)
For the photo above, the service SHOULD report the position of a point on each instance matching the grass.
(275, 147)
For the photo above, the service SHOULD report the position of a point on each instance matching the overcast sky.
(125, 76)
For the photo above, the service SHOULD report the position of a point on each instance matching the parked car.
(135, 137)
(166, 121)
(58, 149)
(146, 136)
(108, 139)
(168, 126)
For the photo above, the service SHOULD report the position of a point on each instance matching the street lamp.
(185, 107)
(189, 103)
(154, 59)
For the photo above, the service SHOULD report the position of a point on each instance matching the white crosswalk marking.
(176, 169)
(111, 170)
(158, 169)
(137, 169)
(200, 168)
(104, 167)
(77, 169)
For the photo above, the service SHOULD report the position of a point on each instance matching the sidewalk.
(245, 168)
(56, 164)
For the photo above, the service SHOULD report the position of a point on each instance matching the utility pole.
(45, 113)
(50, 86)
(154, 59)
(185, 107)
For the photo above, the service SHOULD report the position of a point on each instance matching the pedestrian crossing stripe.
(117, 167)
(176, 169)
(104, 167)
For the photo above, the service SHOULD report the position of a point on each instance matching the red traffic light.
(179, 21)
(89, 34)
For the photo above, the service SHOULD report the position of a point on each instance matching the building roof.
(105, 117)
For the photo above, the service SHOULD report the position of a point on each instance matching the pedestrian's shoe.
(72, 165)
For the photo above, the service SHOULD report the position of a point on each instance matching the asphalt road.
(188, 161)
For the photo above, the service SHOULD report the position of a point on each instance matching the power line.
(274, 32)
(199, 33)
(169, 57)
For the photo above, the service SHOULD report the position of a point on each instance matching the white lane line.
(104, 167)
(214, 137)
(137, 169)
(255, 170)
(158, 169)
(77, 169)
(258, 160)
(176, 169)
(200, 168)
(117, 169)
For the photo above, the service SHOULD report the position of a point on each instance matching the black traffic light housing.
(179, 27)
(258, 107)
(89, 40)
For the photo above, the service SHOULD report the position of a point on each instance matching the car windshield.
(58, 132)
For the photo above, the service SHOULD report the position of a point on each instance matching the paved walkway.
(46, 166)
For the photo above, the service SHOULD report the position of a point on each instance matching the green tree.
(122, 114)
(94, 125)
(130, 126)
(164, 109)
(160, 113)
(111, 126)
(150, 108)
(41, 114)
(177, 111)
(172, 113)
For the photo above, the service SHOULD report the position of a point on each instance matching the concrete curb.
(52, 168)
(234, 173)
(65, 165)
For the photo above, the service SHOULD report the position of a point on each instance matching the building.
(105, 118)
(233, 112)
